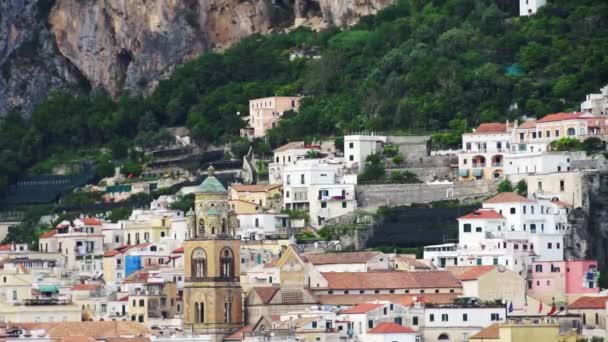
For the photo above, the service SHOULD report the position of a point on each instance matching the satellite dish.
(415, 299)
(501, 268)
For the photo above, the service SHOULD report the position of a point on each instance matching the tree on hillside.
(505, 186)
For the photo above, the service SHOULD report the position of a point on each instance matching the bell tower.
(213, 298)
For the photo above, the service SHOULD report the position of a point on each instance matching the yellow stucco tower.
(212, 292)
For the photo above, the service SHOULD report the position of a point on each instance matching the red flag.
(540, 307)
(553, 310)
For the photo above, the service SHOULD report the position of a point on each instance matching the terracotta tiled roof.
(560, 117)
(178, 250)
(562, 204)
(589, 303)
(482, 214)
(78, 338)
(390, 328)
(85, 287)
(255, 187)
(413, 262)
(48, 234)
(390, 280)
(140, 276)
(239, 335)
(128, 339)
(340, 258)
(90, 221)
(491, 127)
(491, 332)
(507, 197)
(463, 273)
(271, 263)
(528, 124)
(96, 330)
(266, 293)
(296, 144)
(116, 251)
(6, 247)
(361, 308)
(403, 299)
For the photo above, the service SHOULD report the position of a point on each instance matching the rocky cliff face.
(131, 44)
(30, 64)
(588, 238)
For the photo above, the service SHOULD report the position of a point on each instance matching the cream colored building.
(491, 283)
(525, 330)
(261, 195)
(565, 186)
(40, 313)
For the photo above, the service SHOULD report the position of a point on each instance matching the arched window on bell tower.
(201, 228)
(223, 226)
(226, 263)
(199, 312)
(199, 263)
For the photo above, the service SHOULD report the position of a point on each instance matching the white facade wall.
(178, 229)
(358, 147)
(283, 158)
(530, 7)
(390, 338)
(459, 317)
(596, 104)
(260, 224)
(319, 187)
(537, 162)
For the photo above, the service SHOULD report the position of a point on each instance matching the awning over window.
(463, 172)
(48, 288)
(477, 172)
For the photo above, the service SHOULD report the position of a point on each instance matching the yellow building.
(264, 196)
(243, 207)
(15, 285)
(213, 296)
(539, 329)
(153, 300)
(151, 231)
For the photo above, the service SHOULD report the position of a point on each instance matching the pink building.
(564, 281)
(265, 113)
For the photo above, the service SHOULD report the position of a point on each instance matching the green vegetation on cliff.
(444, 64)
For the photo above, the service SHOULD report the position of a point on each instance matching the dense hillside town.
(243, 197)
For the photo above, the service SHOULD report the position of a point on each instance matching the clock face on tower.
(292, 266)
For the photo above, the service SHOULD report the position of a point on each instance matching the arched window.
(199, 263)
(223, 226)
(201, 228)
(226, 263)
(571, 131)
(443, 337)
(199, 312)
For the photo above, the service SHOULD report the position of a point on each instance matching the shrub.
(505, 186)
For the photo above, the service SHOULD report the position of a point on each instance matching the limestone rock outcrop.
(120, 45)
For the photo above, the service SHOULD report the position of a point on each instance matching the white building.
(509, 230)
(260, 226)
(81, 241)
(596, 104)
(358, 147)
(458, 322)
(320, 187)
(483, 151)
(288, 154)
(536, 162)
(530, 7)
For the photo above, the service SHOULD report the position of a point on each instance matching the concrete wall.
(371, 197)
